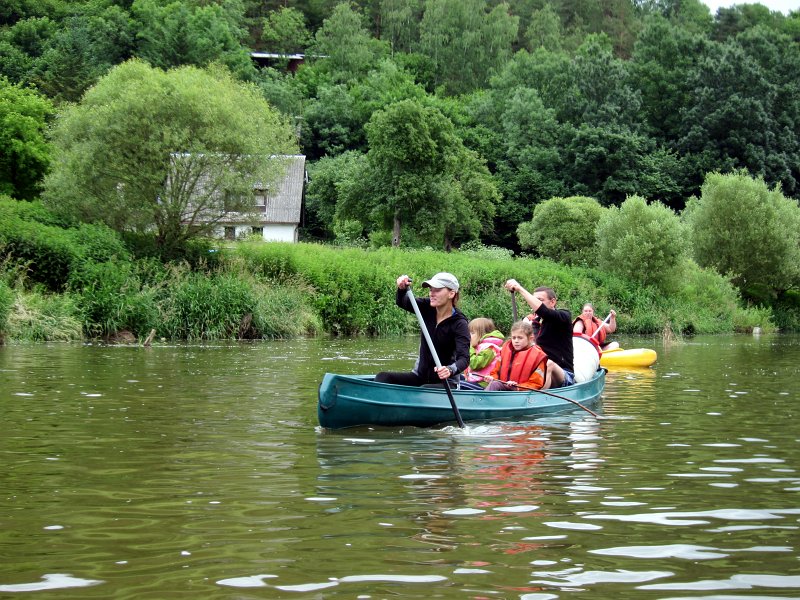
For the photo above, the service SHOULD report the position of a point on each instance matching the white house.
(277, 212)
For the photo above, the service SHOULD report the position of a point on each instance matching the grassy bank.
(352, 290)
(275, 290)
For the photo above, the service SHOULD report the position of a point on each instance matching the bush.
(742, 228)
(563, 230)
(642, 242)
(38, 317)
(113, 297)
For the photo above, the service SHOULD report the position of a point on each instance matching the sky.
(783, 6)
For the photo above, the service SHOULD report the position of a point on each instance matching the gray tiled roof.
(285, 198)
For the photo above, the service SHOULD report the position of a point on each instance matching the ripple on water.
(51, 581)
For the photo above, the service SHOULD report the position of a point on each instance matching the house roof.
(284, 200)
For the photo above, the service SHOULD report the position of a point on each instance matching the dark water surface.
(200, 472)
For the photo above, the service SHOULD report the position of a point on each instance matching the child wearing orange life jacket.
(484, 352)
(521, 362)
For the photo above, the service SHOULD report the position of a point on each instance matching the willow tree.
(165, 151)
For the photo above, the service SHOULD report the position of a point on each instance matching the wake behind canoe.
(351, 400)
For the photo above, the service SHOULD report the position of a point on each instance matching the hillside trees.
(418, 175)
(188, 33)
(24, 152)
(148, 149)
(466, 41)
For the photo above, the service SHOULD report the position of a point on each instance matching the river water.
(200, 472)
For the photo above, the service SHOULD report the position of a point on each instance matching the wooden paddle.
(429, 341)
(545, 392)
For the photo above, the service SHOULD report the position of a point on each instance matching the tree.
(465, 42)
(24, 151)
(148, 150)
(285, 31)
(645, 243)
(343, 48)
(544, 30)
(400, 23)
(741, 227)
(563, 230)
(737, 118)
(419, 176)
(180, 33)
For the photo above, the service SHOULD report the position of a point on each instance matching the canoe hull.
(636, 357)
(352, 400)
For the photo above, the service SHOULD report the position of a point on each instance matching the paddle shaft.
(514, 306)
(606, 320)
(429, 341)
(527, 387)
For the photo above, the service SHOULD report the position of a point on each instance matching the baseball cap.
(442, 280)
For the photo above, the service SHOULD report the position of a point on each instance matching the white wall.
(280, 232)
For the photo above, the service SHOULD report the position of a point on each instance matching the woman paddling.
(448, 329)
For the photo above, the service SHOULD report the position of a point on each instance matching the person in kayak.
(448, 329)
(552, 328)
(523, 363)
(592, 326)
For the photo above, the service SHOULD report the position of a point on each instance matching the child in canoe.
(484, 352)
(522, 363)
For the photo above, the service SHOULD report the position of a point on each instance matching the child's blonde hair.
(524, 326)
(481, 326)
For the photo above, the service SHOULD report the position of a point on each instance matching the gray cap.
(442, 280)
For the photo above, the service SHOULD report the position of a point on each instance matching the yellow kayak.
(636, 357)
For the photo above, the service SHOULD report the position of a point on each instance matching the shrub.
(112, 297)
(741, 227)
(38, 317)
(642, 242)
(563, 230)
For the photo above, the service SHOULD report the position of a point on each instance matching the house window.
(230, 233)
(259, 231)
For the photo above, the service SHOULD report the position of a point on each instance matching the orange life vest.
(527, 367)
(590, 326)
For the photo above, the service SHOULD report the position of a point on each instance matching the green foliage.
(418, 175)
(6, 302)
(353, 291)
(347, 47)
(285, 31)
(642, 242)
(741, 227)
(112, 297)
(182, 33)
(172, 151)
(40, 317)
(24, 152)
(563, 230)
(47, 254)
(466, 41)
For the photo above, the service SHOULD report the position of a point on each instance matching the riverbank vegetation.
(643, 155)
(62, 282)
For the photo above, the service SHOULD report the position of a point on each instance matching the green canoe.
(351, 400)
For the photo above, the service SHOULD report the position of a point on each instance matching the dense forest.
(552, 128)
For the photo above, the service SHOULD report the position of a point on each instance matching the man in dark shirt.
(554, 332)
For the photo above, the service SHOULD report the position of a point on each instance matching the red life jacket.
(527, 367)
(592, 325)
